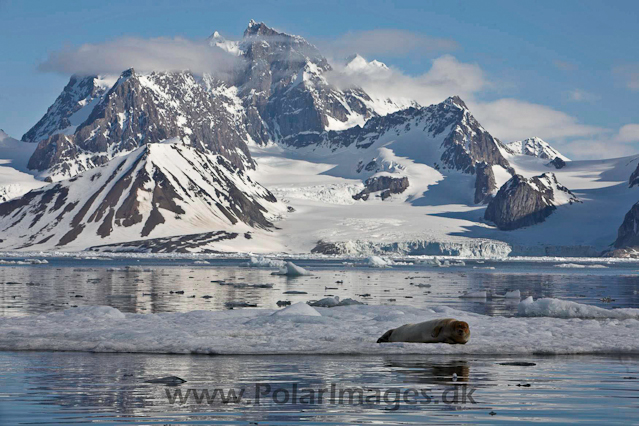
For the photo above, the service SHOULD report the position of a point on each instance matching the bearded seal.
(443, 330)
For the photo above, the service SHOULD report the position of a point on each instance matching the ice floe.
(338, 330)
(264, 262)
(292, 270)
(579, 266)
(299, 308)
(558, 308)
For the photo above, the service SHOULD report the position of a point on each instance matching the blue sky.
(567, 71)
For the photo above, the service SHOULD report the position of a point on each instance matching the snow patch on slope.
(535, 147)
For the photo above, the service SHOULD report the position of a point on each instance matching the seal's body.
(446, 330)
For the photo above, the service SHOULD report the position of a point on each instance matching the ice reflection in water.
(180, 285)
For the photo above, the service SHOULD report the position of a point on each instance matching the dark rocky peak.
(628, 234)
(64, 115)
(524, 201)
(465, 142)
(456, 101)
(279, 54)
(141, 109)
(634, 177)
(557, 163)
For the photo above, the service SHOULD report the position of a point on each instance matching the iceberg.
(557, 308)
(292, 270)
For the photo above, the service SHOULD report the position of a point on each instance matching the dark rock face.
(139, 110)
(524, 202)
(284, 87)
(628, 234)
(465, 142)
(634, 177)
(386, 184)
(558, 163)
(484, 183)
(181, 244)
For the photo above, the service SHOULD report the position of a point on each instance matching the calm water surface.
(74, 388)
(157, 285)
(80, 388)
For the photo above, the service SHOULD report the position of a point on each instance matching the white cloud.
(385, 42)
(629, 75)
(512, 119)
(157, 54)
(578, 95)
(595, 149)
(628, 133)
(446, 77)
(606, 145)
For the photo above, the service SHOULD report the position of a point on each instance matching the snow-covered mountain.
(157, 190)
(140, 109)
(167, 161)
(14, 179)
(535, 147)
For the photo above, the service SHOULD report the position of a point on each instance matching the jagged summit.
(358, 64)
(535, 147)
(140, 109)
(255, 28)
(456, 101)
(71, 108)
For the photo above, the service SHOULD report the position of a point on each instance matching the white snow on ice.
(338, 330)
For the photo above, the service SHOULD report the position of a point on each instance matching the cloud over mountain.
(155, 54)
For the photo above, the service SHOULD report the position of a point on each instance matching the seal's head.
(461, 332)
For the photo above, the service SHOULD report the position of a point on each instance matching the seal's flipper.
(436, 331)
(385, 337)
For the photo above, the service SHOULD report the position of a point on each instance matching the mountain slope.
(14, 179)
(157, 190)
(535, 147)
(71, 108)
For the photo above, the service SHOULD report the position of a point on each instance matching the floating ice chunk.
(516, 294)
(474, 295)
(24, 262)
(201, 262)
(264, 262)
(331, 302)
(36, 261)
(378, 262)
(299, 308)
(579, 266)
(327, 302)
(292, 270)
(557, 308)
